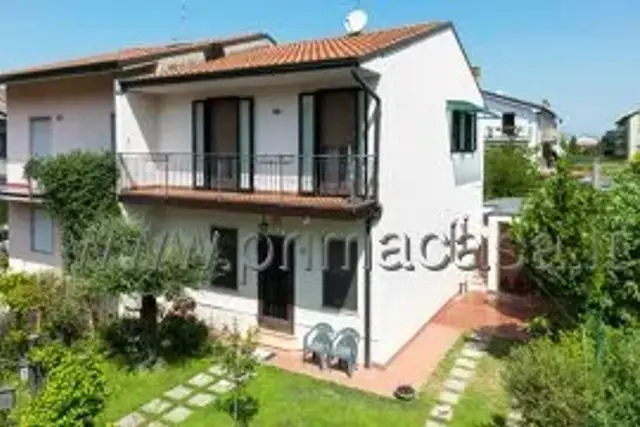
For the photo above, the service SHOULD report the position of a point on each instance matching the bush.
(75, 389)
(561, 383)
(182, 337)
(634, 162)
(509, 172)
(124, 341)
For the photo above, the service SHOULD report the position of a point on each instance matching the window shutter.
(455, 131)
(197, 132)
(468, 134)
(306, 123)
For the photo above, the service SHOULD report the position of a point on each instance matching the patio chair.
(318, 342)
(345, 348)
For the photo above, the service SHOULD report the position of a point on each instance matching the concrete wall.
(423, 186)
(633, 134)
(21, 257)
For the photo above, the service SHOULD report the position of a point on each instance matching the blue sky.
(582, 55)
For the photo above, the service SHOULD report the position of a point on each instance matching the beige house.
(629, 125)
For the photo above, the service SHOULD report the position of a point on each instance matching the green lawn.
(292, 400)
(131, 389)
(485, 403)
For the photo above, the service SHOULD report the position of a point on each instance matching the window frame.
(332, 276)
(228, 281)
(34, 119)
(32, 232)
(463, 128)
(509, 130)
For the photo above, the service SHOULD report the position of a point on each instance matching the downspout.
(370, 218)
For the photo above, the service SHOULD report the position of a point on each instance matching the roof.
(628, 115)
(339, 51)
(519, 101)
(115, 59)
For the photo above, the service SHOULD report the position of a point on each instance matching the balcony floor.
(253, 202)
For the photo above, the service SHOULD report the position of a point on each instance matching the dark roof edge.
(247, 72)
(115, 64)
(520, 101)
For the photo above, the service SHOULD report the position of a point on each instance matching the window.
(463, 132)
(40, 136)
(339, 285)
(228, 251)
(509, 124)
(41, 231)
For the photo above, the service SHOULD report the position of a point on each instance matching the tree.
(610, 142)
(555, 238)
(120, 256)
(509, 172)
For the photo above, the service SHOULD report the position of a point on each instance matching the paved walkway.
(177, 404)
(463, 370)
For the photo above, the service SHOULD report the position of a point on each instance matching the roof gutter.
(99, 67)
(355, 72)
(246, 72)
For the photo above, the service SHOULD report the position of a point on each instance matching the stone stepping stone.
(201, 380)
(478, 337)
(455, 385)
(156, 406)
(471, 353)
(477, 345)
(177, 415)
(465, 363)
(178, 393)
(157, 424)
(461, 374)
(221, 387)
(263, 354)
(201, 400)
(449, 397)
(432, 423)
(442, 413)
(131, 420)
(217, 371)
(515, 416)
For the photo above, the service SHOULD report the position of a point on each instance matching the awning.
(470, 107)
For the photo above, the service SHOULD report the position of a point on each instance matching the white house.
(520, 121)
(629, 124)
(330, 148)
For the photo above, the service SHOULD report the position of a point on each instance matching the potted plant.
(405, 392)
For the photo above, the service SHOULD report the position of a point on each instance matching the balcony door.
(333, 142)
(223, 144)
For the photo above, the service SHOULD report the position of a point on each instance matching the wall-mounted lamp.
(276, 111)
(263, 225)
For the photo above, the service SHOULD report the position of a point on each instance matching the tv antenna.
(183, 19)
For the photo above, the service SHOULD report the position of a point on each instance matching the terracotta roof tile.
(309, 51)
(130, 54)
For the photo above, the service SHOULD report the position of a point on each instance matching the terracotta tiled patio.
(491, 314)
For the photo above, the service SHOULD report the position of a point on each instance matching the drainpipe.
(371, 217)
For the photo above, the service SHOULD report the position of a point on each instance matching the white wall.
(219, 306)
(633, 135)
(80, 109)
(21, 257)
(419, 191)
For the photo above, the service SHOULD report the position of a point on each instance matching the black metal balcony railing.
(348, 175)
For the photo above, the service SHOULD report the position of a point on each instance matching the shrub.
(565, 383)
(75, 389)
(124, 341)
(634, 162)
(509, 172)
(182, 337)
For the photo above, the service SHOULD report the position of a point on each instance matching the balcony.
(340, 186)
(14, 185)
(508, 134)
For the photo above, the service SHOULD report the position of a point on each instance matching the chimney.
(477, 73)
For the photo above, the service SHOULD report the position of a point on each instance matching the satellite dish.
(355, 21)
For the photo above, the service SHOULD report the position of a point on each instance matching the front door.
(276, 285)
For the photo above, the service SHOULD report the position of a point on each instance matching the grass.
(292, 400)
(485, 402)
(131, 389)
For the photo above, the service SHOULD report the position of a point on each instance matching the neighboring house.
(340, 141)
(63, 106)
(520, 121)
(629, 127)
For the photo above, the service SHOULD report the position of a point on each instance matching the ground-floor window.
(340, 284)
(41, 231)
(228, 251)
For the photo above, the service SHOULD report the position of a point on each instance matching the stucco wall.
(220, 306)
(524, 117)
(420, 187)
(21, 257)
(633, 135)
